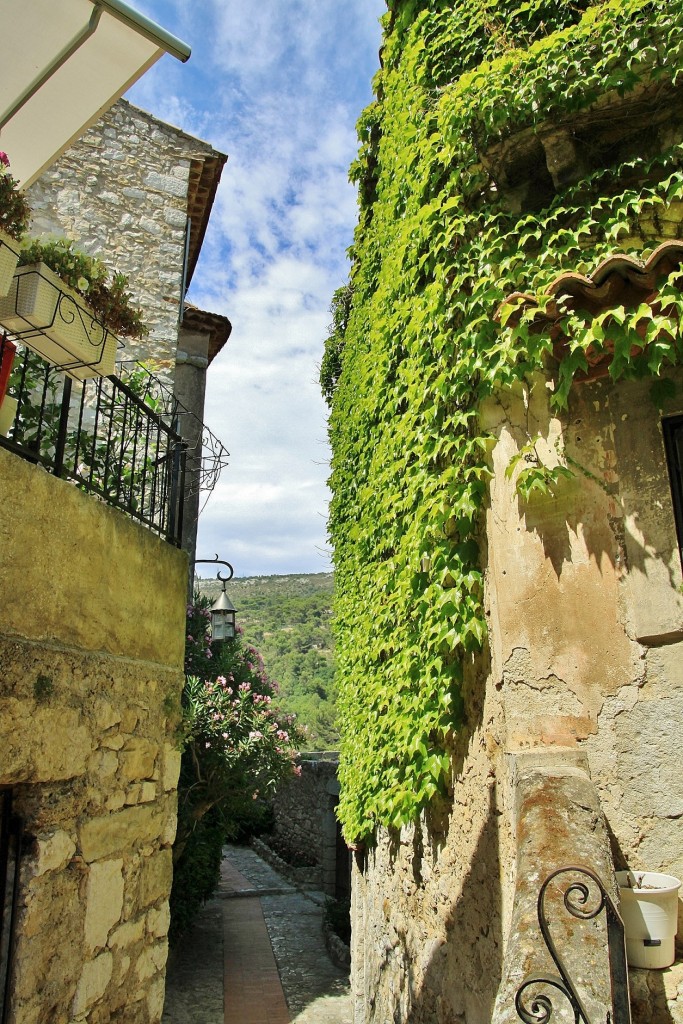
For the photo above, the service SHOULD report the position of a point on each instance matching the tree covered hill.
(287, 619)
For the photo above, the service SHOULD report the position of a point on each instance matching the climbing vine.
(429, 330)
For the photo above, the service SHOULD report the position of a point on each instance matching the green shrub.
(197, 872)
(238, 747)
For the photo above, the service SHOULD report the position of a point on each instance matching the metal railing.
(207, 456)
(108, 438)
(584, 897)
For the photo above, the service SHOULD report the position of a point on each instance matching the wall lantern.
(222, 610)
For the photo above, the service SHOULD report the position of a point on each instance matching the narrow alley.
(256, 955)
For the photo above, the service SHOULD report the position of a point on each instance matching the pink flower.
(4, 159)
(189, 638)
(255, 735)
(296, 769)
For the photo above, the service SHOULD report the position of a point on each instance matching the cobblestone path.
(256, 955)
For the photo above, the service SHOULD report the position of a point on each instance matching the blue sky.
(278, 86)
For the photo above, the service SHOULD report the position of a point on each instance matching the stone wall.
(585, 608)
(304, 813)
(430, 904)
(91, 647)
(121, 193)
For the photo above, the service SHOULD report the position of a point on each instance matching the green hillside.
(287, 619)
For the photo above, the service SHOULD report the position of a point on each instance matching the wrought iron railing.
(584, 898)
(207, 456)
(106, 436)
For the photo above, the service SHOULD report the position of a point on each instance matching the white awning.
(64, 62)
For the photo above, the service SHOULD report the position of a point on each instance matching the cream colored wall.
(91, 648)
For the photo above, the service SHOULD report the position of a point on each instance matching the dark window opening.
(673, 443)
(10, 850)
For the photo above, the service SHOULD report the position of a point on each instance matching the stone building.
(139, 193)
(479, 161)
(93, 627)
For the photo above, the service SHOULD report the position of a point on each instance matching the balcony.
(118, 438)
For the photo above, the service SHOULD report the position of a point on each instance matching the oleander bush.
(237, 747)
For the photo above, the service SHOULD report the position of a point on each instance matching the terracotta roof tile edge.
(577, 283)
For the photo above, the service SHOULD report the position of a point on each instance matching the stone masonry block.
(166, 183)
(137, 759)
(127, 934)
(151, 960)
(156, 873)
(104, 836)
(93, 983)
(104, 901)
(53, 852)
(159, 920)
(171, 767)
(155, 1000)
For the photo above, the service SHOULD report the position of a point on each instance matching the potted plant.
(64, 306)
(649, 909)
(15, 214)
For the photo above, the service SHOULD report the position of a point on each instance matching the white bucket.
(649, 910)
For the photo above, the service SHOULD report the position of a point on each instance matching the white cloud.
(279, 88)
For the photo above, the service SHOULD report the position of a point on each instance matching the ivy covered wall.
(509, 141)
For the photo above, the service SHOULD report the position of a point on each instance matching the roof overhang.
(216, 326)
(621, 280)
(64, 64)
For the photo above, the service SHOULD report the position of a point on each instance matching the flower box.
(9, 256)
(57, 324)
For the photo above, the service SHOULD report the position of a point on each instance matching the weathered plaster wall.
(91, 648)
(586, 647)
(121, 193)
(587, 609)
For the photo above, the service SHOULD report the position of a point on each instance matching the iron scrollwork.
(585, 899)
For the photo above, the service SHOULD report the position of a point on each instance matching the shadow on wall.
(463, 976)
(453, 979)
